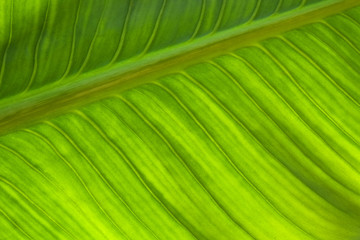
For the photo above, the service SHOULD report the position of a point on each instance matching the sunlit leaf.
(172, 119)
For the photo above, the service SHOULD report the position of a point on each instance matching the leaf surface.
(180, 120)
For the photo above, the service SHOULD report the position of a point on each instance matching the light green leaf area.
(262, 142)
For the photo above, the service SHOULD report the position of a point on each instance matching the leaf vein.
(156, 27)
(199, 21)
(35, 66)
(123, 34)
(15, 224)
(67, 163)
(3, 64)
(217, 204)
(24, 195)
(88, 160)
(297, 115)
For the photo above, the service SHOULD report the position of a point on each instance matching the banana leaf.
(168, 119)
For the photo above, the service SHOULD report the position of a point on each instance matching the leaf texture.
(81, 36)
(259, 143)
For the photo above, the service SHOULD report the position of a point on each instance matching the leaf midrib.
(26, 109)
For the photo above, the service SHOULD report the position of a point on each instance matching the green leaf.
(174, 119)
